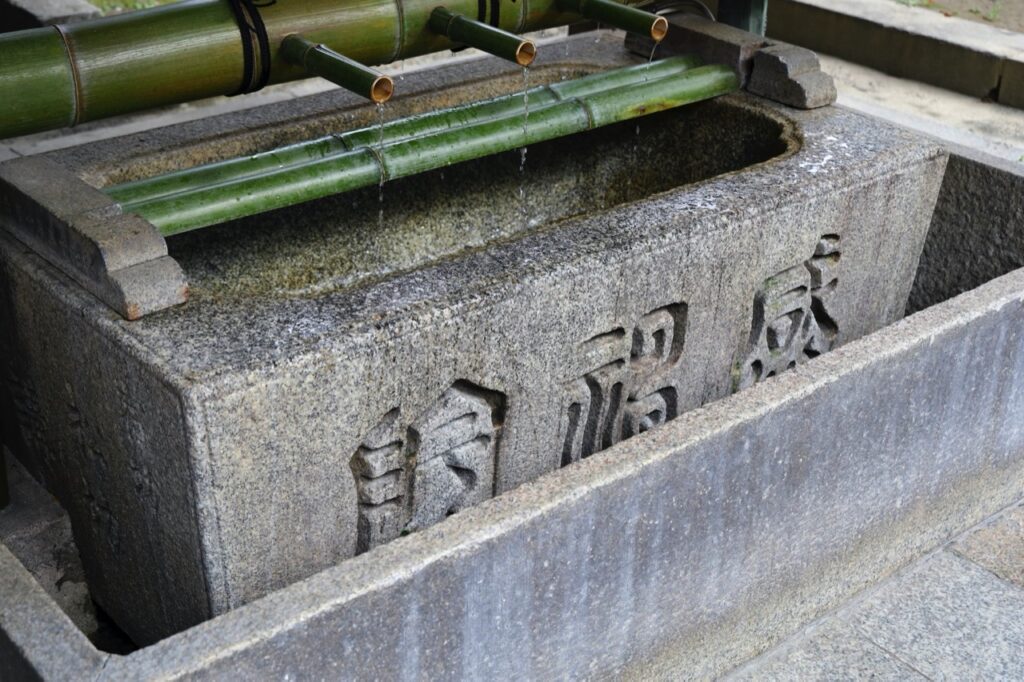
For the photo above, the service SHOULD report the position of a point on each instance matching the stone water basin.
(342, 377)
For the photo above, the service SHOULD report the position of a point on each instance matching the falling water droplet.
(380, 187)
(522, 151)
(635, 157)
(650, 60)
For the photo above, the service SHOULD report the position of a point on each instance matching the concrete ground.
(958, 614)
(948, 116)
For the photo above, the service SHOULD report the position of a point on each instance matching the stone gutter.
(956, 54)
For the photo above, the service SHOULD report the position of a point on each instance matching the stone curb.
(956, 54)
(17, 15)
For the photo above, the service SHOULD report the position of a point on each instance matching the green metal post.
(749, 15)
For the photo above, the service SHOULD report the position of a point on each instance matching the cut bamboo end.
(382, 89)
(320, 60)
(659, 29)
(526, 53)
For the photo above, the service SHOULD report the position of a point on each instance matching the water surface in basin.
(352, 238)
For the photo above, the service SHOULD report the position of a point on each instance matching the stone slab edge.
(956, 54)
(120, 258)
(37, 640)
(24, 14)
(299, 629)
(975, 233)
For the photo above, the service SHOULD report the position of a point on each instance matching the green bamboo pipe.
(620, 16)
(476, 34)
(369, 166)
(394, 131)
(322, 61)
(65, 75)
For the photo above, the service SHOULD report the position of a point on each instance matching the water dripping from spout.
(650, 60)
(380, 187)
(522, 151)
(635, 160)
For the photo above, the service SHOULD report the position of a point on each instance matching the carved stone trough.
(353, 370)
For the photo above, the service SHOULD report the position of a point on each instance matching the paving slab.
(960, 55)
(830, 651)
(998, 546)
(954, 118)
(949, 619)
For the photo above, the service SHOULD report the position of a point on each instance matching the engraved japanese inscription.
(412, 475)
(791, 319)
(630, 387)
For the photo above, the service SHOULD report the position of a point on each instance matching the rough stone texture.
(340, 381)
(977, 232)
(791, 75)
(116, 444)
(1011, 88)
(745, 518)
(955, 54)
(16, 15)
(705, 541)
(120, 258)
(37, 531)
(998, 547)
(949, 619)
(832, 651)
(37, 641)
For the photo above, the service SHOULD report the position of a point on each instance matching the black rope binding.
(255, 45)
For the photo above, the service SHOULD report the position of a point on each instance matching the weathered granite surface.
(679, 553)
(998, 546)
(950, 619)
(336, 381)
(977, 232)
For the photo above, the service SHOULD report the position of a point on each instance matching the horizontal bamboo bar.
(483, 37)
(191, 50)
(394, 131)
(363, 167)
(322, 61)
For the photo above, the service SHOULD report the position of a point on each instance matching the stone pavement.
(957, 613)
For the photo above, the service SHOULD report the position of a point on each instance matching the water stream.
(380, 151)
(522, 151)
(377, 238)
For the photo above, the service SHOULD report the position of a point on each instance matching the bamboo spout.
(321, 61)
(477, 34)
(620, 16)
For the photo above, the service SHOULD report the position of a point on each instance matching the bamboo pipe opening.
(319, 60)
(382, 89)
(526, 52)
(463, 30)
(659, 29)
